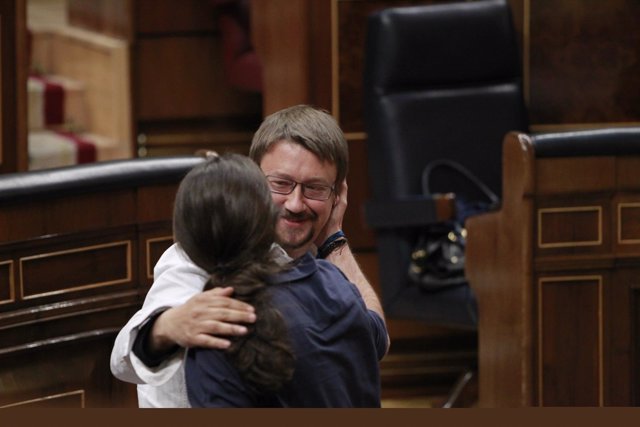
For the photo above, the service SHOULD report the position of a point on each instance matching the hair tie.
(208, 154)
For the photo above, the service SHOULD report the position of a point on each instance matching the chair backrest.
(588, 143)
(440, 81)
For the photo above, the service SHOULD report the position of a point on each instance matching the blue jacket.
(336, 340)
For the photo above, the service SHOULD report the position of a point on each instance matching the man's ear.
(336, 200)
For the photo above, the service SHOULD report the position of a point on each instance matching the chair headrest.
(442, 44)
(93, 177)
(596, 142)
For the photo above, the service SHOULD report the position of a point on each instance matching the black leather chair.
(441, 82)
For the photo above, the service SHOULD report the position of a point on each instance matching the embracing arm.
(202, 321)
(343, 258)
(182, 316)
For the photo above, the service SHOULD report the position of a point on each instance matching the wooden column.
(13, 86)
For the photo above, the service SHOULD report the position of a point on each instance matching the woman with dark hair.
(224, 220)
(314, 343)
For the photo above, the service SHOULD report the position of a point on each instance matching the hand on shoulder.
(203, 321)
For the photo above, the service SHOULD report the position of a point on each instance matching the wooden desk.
(557, 275)
(75, 264)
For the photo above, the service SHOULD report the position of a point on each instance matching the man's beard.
(291, 239)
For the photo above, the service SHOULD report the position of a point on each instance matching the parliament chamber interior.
(106, 104)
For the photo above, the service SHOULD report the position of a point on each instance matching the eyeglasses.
(310, 191)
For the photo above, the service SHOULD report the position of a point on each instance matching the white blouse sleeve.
(176, 279)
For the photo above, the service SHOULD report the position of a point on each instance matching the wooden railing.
(556, 272)
(77, 249)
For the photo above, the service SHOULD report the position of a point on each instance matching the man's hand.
(202, 321)
(334, 223)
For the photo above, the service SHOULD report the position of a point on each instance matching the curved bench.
(77, 250)
(556, 272)
(91, 177)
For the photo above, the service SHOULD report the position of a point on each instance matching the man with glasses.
(313, 191)
(304, 155)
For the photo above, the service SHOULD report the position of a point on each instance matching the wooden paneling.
(360, 234)
(77, 268)
(170, 95)
(575, 175)
(634, 390)
(280, 33)
(153, 240)
(7, 282)
(102, 16)
(573, 229)
(73, 373)
(73, 269)
(155, 247)
(570, 342)
(66, 214)
(74, 320)
(71, 399)
(180, 99)
(13, 84)
(625, 173)
(183, 100)
(570, 226)
(628, 223)
(621, 338)
(162, 16)
(155, 203)
(557, 288)
(584, 61)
